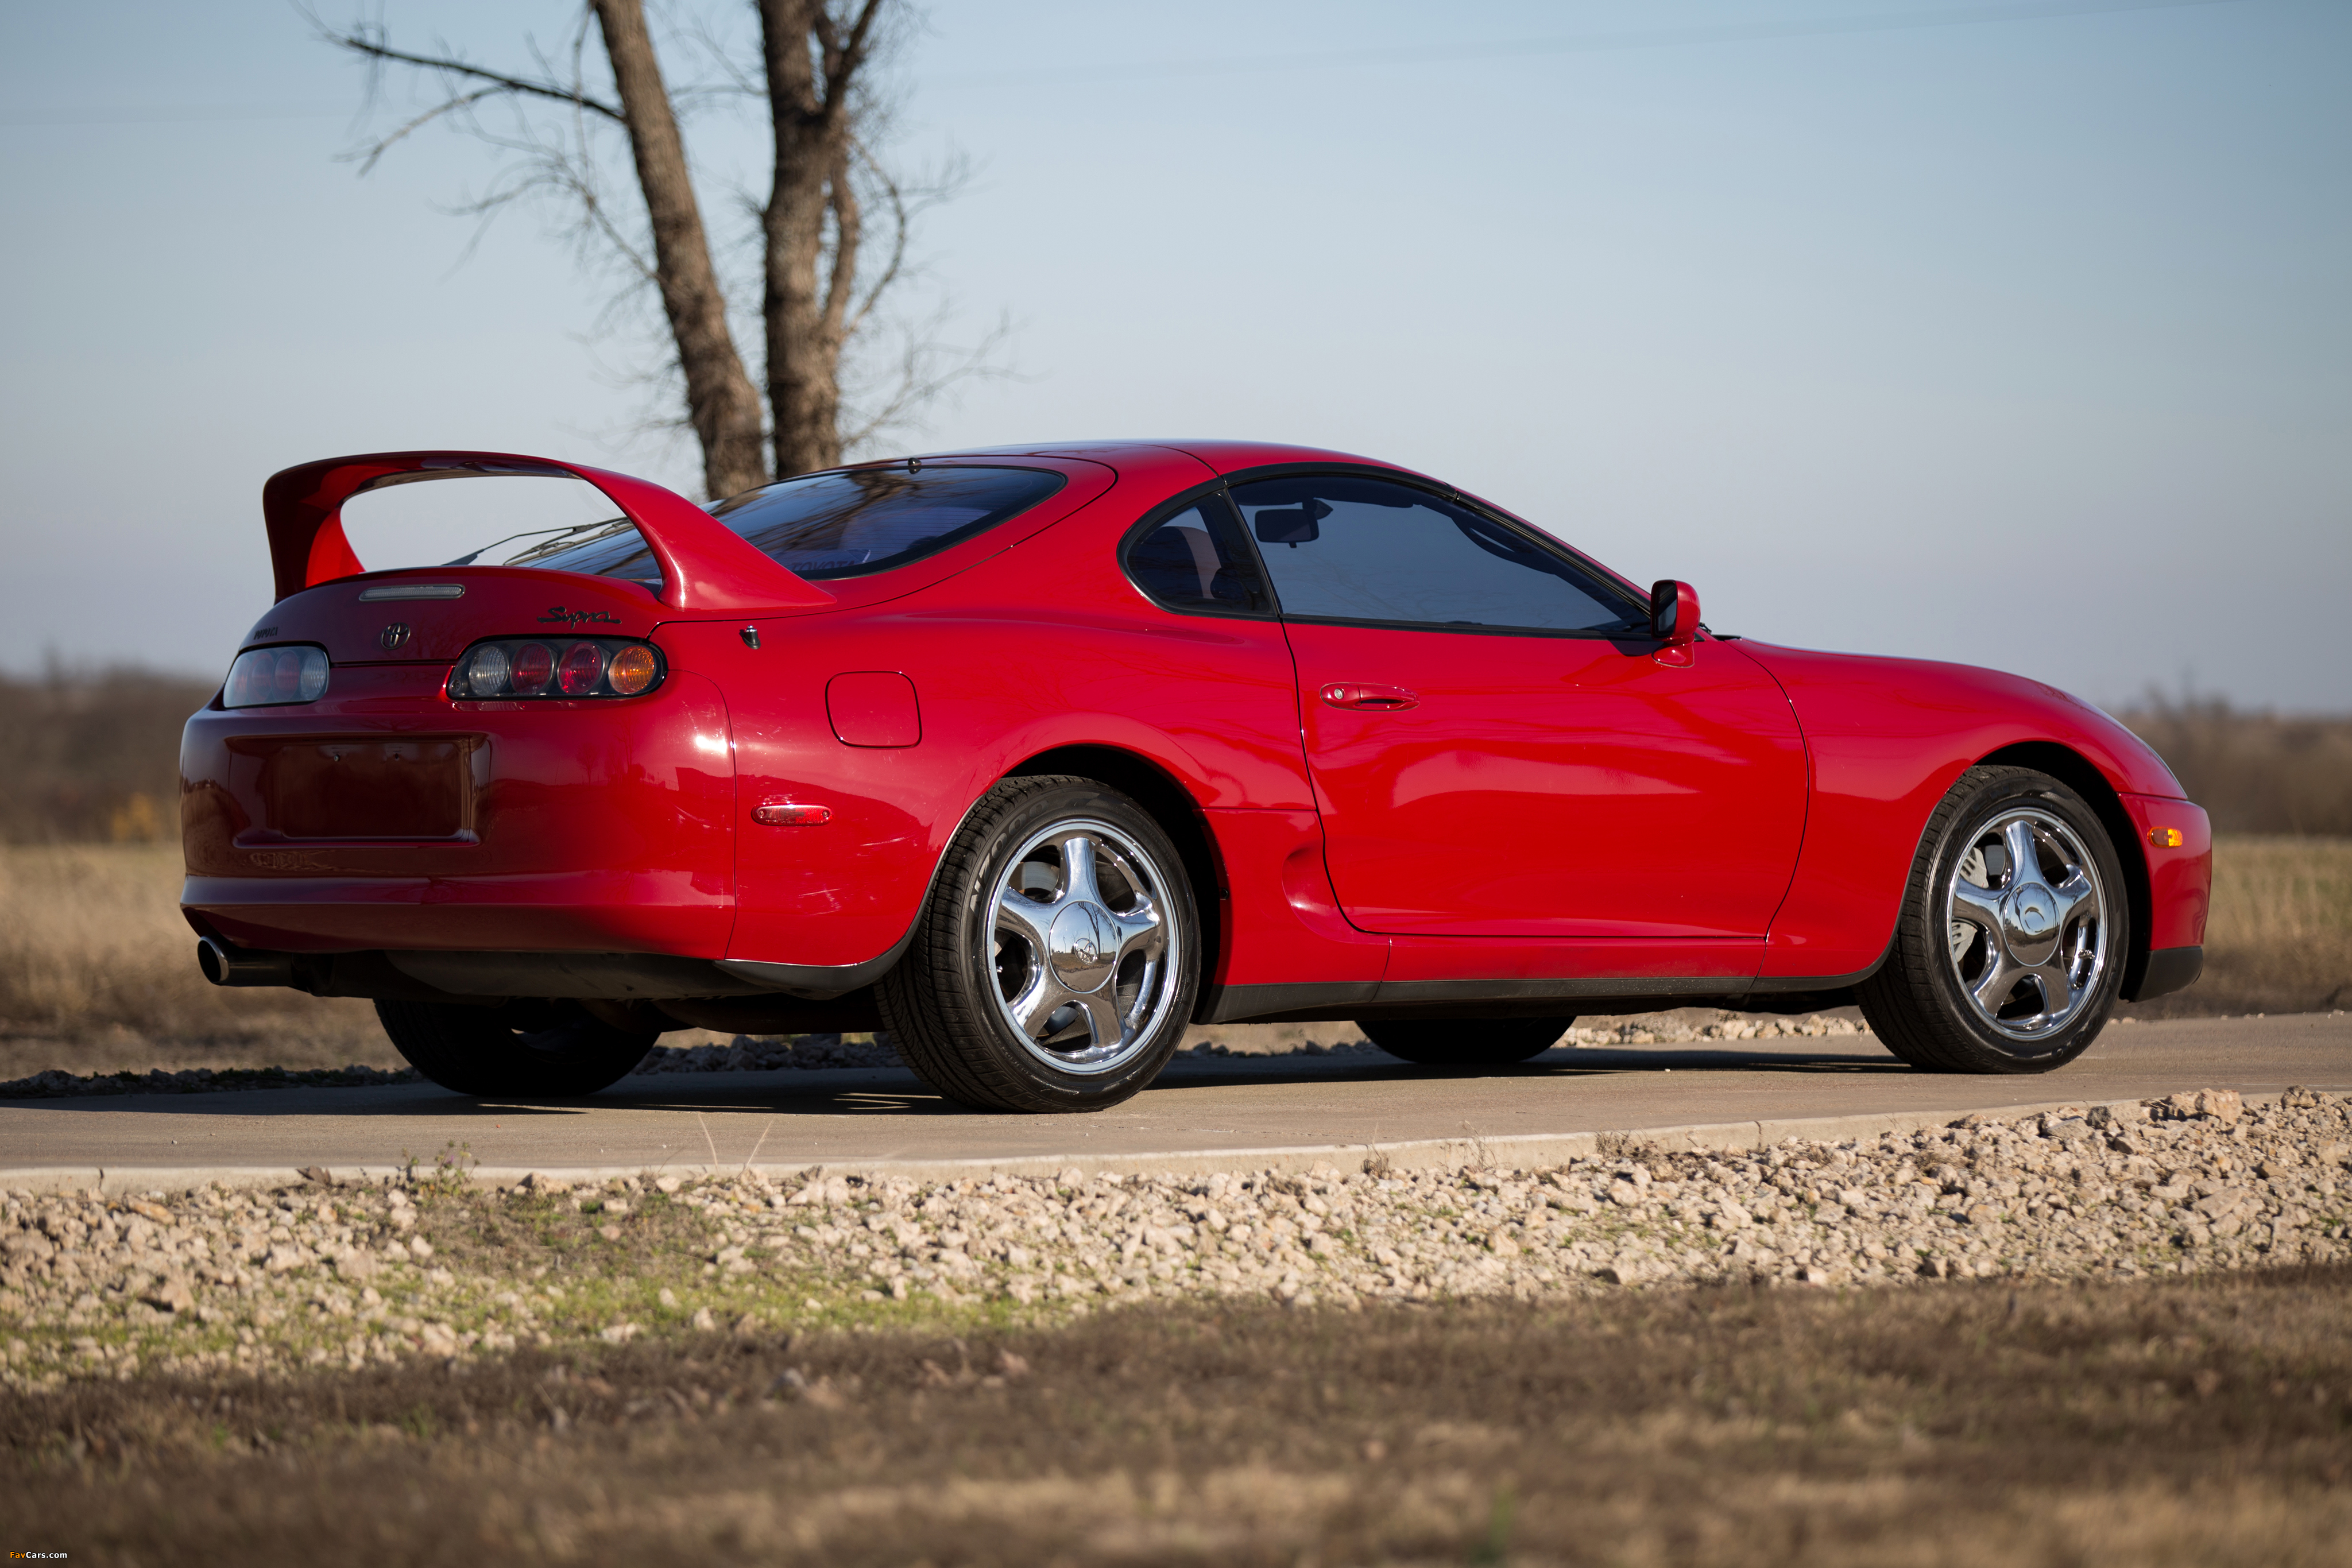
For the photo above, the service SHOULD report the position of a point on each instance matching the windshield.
(819, 525)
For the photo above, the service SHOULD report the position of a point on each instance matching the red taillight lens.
(533, 664)
(589, 668)
(582, 667)
(270, 677)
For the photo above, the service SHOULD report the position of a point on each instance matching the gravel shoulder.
(698, 1051)
(430, 1264)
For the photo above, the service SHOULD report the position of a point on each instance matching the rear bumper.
(582, 912)
(592, 827)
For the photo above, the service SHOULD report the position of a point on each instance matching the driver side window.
(1346, 547)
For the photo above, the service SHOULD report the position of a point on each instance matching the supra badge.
(558, 616)
(393, 636)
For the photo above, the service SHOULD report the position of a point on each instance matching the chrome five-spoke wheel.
(2026, 921)
(1056, 963)
(2010, 946)
(1081, 945)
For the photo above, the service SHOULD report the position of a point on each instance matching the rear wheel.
(550, 1050)
(1056, 965)
(2010, 946)
(1464, 1042)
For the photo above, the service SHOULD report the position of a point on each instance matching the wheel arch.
(2078, 773)
(1180, 816)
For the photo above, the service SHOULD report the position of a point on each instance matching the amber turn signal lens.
(2165, 838)
(631, 671)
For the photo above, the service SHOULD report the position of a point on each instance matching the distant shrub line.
(96, 758)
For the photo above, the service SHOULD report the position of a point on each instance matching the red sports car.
(1038, 755)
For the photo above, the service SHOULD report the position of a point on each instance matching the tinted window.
(1197, 560)
(827, 525)
(1348, 548)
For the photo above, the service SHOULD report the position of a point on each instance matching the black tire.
(1939, 1002)
(1464, 1042)
(999, 984)
(524, 1049)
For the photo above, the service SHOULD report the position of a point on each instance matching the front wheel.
(2010, 946)
(1055, 964)
(1464, 1042)
(534, 1050)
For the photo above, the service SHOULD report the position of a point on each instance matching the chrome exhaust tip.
(225, 965)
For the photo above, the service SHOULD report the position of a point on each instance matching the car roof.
(1221, 457)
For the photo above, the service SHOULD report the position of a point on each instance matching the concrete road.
(1219, 1113)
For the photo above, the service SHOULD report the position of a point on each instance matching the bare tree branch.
(926, 369)
(809, 275)
(360, 42)
(377, 148)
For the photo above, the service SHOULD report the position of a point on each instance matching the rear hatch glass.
(819, 526)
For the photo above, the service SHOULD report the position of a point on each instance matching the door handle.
(1364, 699)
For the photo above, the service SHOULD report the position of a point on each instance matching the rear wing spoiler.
(705, 564)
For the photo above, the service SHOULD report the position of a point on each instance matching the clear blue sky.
(2024, 342)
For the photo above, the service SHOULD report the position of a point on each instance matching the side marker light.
(790, 814)
(2165, 838)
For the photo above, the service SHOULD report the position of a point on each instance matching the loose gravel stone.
(813, 1052)
(58, 1085)
(268, 1281)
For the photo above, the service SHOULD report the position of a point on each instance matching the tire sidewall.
(1063, 803)
(1422, 1044)
(479, 1051)
(1994, 796)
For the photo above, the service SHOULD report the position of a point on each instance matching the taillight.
(273, 677)
(582, 670)
(509, 667)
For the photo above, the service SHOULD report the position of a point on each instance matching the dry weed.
(2280, 936)
(2202, 1422)
(97, 970)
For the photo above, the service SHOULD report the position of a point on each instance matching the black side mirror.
(1292, 526)
(1674, 612)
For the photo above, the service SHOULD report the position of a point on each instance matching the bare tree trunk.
(805, 322)
(720, 402)
(815, 54)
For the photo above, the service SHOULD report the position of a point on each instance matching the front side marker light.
(2165, 838)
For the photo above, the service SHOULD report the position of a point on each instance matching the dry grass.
(93, 755)
(2195, 1421)
(98, 973)
(2280, 936)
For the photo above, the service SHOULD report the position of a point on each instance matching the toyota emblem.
(393, 636)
